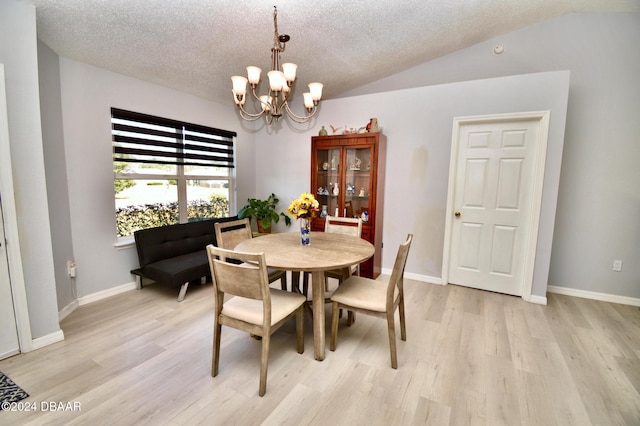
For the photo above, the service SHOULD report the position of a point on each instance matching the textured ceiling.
(196, 45)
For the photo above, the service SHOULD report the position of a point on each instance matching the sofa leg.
(183, 291)
(138, 282)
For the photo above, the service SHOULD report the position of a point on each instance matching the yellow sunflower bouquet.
(304, 207)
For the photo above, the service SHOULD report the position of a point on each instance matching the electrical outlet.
(617, 265)
(71, 268)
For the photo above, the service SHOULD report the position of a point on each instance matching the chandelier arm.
(279, 104)
(246, 115)
(285, 95)
(255, 96)
(297, 118)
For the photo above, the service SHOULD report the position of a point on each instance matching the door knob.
(457, 214)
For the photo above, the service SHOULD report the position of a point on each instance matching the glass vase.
(305, 231)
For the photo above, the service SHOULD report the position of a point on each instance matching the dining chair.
(230, 234)
(376, 298)
(255, 308)
(344, 226)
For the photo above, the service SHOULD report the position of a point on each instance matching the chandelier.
(273, 104)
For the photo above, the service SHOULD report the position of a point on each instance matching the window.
(166, 171)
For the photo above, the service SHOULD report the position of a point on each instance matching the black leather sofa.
(175, 255)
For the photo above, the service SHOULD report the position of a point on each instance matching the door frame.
(10, 219)
(540, 156)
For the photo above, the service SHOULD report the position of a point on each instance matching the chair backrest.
(230, 234)
(343, 225)
(396, 279)
(248, 279)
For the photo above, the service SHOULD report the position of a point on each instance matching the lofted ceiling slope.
(196, 45)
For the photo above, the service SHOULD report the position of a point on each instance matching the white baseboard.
(41, 342)
(67, 310)
(540, 300)
(106, 293)
(603, 297)
(10, 353)
(416, 277)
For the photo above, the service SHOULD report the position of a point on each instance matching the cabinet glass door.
(328, 180)
(358, 183)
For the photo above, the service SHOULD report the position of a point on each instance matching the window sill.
(123, 243)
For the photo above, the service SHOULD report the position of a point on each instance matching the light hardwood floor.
(471, 358)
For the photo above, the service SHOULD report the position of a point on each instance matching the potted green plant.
(264, 211)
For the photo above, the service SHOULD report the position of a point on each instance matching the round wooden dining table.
(326, 252)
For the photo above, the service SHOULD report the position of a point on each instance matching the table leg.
(317, 288)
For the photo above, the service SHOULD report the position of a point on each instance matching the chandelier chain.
(276, 41)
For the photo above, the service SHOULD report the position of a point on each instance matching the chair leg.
(300, 329)
(215, 359)
(295, 281)
(305, 283)
(403, 327)
(264, 363)
(392, 339)
(334, 326)
(183, 291)
(283, 281)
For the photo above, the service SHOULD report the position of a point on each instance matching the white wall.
(88, 93)
(19, 55)
(598, 217)
(56, 172)
(418, 149)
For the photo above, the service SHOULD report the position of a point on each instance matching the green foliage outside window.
(132, 218)
(120, 185)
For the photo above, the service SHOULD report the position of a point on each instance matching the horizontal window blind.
(142, 138)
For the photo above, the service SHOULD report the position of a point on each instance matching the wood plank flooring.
(471, 358)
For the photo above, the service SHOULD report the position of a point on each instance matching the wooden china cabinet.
(347, 179)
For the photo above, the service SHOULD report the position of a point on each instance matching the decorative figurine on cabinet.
(355, 164)
(372, 127)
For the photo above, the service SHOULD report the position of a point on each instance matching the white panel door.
(9, 344)
(15, 333)
(495, 188)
